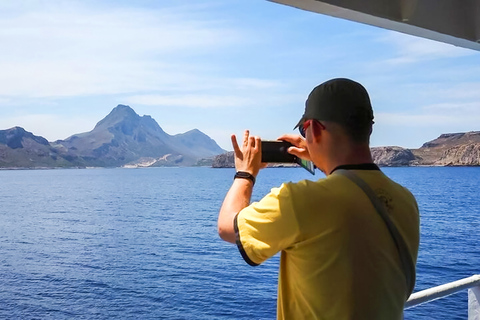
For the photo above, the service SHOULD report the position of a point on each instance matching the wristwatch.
(244, 175)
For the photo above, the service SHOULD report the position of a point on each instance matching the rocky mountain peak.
(123, 109)
(121, 113)
(16, 136)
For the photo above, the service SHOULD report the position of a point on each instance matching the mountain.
(122, 138)
(20, 148)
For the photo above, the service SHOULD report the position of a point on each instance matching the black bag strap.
(406, 259)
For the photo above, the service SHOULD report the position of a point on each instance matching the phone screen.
(307, 165)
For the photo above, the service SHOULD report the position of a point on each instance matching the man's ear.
(316, 132)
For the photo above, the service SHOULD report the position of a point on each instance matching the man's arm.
(248, 158)
(237, 198)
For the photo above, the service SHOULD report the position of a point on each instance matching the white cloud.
(252, 83)
(4, 100)
(229, 99)
(449, 94)
(413, 49)
(436, 117)
(464, 91)
(70, 49)
(218, 93)
(470, 109)
(188, 100)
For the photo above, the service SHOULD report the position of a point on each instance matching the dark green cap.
(340, 100)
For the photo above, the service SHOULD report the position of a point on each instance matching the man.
(338, 258)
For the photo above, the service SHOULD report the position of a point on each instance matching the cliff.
(224, 160)
(463, 155)
(392, 156)
(452, 149)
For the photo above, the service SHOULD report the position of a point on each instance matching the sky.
(221, 67)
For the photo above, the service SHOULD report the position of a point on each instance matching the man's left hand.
(248, 157)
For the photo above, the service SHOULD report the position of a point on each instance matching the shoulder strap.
(405, 257)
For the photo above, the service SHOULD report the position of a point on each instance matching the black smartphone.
(277, 152)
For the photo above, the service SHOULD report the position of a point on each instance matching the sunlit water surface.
(142, 243)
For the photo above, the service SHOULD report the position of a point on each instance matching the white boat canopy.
(451, 21)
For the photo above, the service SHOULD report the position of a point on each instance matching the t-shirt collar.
(361, 166)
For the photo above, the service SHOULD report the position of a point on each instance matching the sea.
(143, 243)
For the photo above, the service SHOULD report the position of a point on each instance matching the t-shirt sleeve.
(266, 227)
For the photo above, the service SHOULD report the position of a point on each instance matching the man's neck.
(349, 155)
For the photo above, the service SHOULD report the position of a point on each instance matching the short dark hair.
(358, 132)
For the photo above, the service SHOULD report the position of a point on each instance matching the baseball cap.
(339, 100)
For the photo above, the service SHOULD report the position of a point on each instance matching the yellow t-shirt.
(338, 259)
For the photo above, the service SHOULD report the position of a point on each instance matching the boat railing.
(471, 283)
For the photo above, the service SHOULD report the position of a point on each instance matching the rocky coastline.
(451, 149)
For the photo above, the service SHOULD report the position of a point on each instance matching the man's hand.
(248, 158)
(300, 146)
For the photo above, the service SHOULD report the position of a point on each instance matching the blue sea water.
(142, 243)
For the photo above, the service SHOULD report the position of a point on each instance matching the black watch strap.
(245, 175)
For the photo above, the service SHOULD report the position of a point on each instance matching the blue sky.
(221, 67)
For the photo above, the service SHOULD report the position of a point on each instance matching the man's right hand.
(300, 146)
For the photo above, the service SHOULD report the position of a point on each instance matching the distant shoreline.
(182, 167)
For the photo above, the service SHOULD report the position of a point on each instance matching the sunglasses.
(304, 126)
